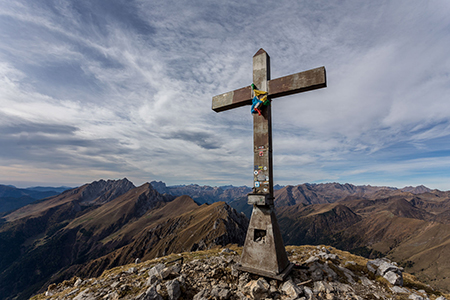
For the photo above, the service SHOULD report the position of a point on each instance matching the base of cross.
(264, 252)
(280, 276)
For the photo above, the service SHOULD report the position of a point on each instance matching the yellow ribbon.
(258, 92)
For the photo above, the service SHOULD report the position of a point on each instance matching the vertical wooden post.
(262, 129)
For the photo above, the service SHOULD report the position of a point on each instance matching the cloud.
(124, 88)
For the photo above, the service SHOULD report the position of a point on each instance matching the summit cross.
(263, 251)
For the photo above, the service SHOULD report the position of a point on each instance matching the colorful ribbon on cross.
(257, 102)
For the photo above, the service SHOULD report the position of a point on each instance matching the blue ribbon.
(255, 102)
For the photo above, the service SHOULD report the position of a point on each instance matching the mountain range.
(12, 198)
(86, 230)
(101, 225)
(410, 227)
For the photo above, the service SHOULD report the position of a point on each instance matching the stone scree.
(318, 274)
(389, 270)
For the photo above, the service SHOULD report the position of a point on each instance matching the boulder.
(257, 289)
(176, 269)
(394, 278)
(385, 267)
(151, 280)
(390, 271)
(156, 270)
(173, 289)
(153, 295)
(291, 289)
(149, 294)
(372, 265)
(165, 273)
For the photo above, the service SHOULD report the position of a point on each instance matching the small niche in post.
(259, 236)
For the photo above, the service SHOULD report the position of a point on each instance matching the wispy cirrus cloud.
(124, 88)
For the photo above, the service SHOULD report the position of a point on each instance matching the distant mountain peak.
(416, 190)
(159, 186)
(102, 191)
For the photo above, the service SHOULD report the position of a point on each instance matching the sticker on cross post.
(257, 184)
(261, 153)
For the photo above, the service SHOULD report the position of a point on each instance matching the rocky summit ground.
(320, 272)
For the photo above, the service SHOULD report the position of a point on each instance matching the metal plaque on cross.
(264, 252)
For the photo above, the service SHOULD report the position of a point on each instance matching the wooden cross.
(264, 253)
(262, 125)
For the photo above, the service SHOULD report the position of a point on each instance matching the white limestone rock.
(78, 282)
(385, 267)
(416, 297)
(311, 260)
(394, 278)
(156, 270)
(399, 290)
(390, 271)
(291, 289)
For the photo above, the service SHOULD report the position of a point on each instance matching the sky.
(107, 89)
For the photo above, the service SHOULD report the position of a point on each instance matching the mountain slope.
(113, 220)
(170, 231)
(97, 192)
(314, 224)
(390, 226)
(31, 237)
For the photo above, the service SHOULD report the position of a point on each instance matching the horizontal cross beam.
(283, 86)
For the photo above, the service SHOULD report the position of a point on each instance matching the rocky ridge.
(320, 273)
